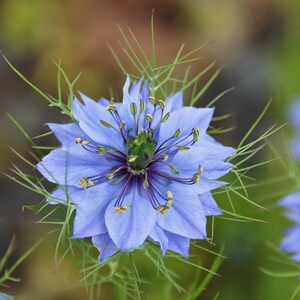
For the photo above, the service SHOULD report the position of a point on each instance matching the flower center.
(140, 150)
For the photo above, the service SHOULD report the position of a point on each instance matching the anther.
(165, 156)
(196, 133)
(152, 100)
(142, 106)
(132, 158)
(145, 184)
(174, 170)
(149, 118)
(162, 209)
(81, 141)
(133, 108)
(161, 104)
(85, 182)
(122, 126)
(111, 107)
(183, 148)
(166, 117)
(177, 133)
(106, 124)
(121, 209)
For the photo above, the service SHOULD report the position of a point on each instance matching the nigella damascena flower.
(291, 242)
(5, 297)
(137, 170)
(294, 118)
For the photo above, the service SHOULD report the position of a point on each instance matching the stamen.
(177, 133)
(146, 182)
(142, 106)
(132, 158)
(81, 141)
(133, 108)
(111, 107)
(162, 209)
(112, 174)
(196, 133)
(196, 176)
(152, 100)
(149, 118)
(165, 118)
(161, 104)
(122, 209)
(106, 124)
(85, 182)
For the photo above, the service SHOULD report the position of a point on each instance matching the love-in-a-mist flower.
(294, 118)
(137, 170)
(291, 242)
(5, 297)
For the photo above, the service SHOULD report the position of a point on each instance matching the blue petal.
(90, 213)
(291, 242)
(66, 166)
(158, 236)
(131, 229)
(210, 149)
(205, 185)
(185, 119)
(295, 146)
(294, 114)
(67, 133)
(292, 203)
(105, 245)
(104, 102)
(187, 162)
(209, 205)
(62, 193)
(186, 216)
(89, 116)
(174, 102)
(178, 243)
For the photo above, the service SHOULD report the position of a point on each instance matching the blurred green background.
(257, 41)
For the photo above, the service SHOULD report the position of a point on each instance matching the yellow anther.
(177, 133)
(111, 107)
(85, 182)
(169, 203)
(121, 209)
(183, 148)
(152, 100)
(142, 105)
(196, 178)
(106, 124)
(133, 108)
(165, 156)
(146, 184)
(162, 209)
(149, 118)
(109, 176)
(161, 104)
(122, 125)
(169, 195)
(81, 141)
(196, 133)
(200, 169)
(166, 117)
(132, 158)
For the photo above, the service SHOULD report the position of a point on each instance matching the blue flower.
(5, 297)
(294, 118)
(138, 170)
(291, 242)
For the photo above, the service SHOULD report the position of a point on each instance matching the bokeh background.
(256, 41)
